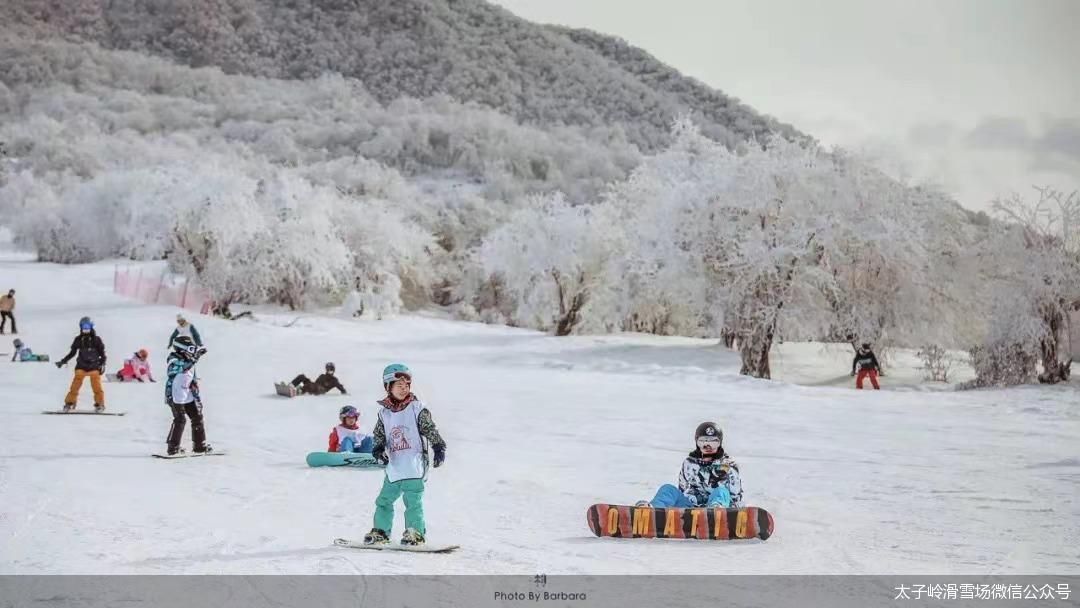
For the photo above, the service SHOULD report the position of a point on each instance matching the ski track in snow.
(897, 481)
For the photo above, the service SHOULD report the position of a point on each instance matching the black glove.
(59, 364)
(440, 454)
(380, 456)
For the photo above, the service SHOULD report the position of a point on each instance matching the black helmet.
(184, 347)
(330, 367)
(708, 429)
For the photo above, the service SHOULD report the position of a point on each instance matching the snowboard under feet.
(622, 521)
(85, 412)
(355, 544)
(188, 455)
(285, 389)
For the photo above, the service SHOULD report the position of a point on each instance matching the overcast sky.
(980, 96)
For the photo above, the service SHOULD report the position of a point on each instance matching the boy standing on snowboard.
(182, 396)
(402, 435)
(709, 477)
(89, 364)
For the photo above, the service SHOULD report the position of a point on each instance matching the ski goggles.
(707, 441)
(406, 378)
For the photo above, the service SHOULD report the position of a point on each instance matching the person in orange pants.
(90, 364)
(868, 367)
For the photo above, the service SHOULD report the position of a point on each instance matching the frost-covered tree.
(772, 240)
(1033, 259)
(556, 261)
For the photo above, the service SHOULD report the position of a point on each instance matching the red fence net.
(152, 287)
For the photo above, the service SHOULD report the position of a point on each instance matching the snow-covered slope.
(538, 429)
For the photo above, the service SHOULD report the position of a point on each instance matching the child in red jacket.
(347, 436)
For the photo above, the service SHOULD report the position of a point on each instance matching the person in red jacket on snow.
(347, 436)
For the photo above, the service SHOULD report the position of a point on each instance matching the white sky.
(980, 96)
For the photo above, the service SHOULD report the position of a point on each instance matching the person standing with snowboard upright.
(90, 364)
(402, 436)
(867, 365)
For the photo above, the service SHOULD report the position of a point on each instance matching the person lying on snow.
(23, 353)
(347, 436)
(709, 477)
(322, 385)
(137, 368)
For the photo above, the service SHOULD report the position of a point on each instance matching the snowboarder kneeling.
(137, 368)
(23, 353)
(867, 364)
(182, 396)
(402, 435)
(347, 436)
(709, 477)
(322, 385)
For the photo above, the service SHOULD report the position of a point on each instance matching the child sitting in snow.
(347, 436)
(23, 353)
(709, 477)
(137, 368)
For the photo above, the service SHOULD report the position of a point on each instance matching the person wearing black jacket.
(322, 385)
(867, 365)
(89, 364)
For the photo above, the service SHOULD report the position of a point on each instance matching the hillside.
(468, 49)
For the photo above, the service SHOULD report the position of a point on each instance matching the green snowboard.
(356, 460)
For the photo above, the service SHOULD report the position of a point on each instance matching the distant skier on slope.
(184, 328)
(709, 477)
(402, 435)
(867, 366)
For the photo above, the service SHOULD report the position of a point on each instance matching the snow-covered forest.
(450, 154)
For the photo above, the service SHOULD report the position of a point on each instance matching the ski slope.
(906, 480)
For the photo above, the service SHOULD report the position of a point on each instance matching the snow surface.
(896, 481)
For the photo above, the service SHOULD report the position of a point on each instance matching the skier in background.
(322, 385)
(7, 311)
(183, 328)
(867, 366)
